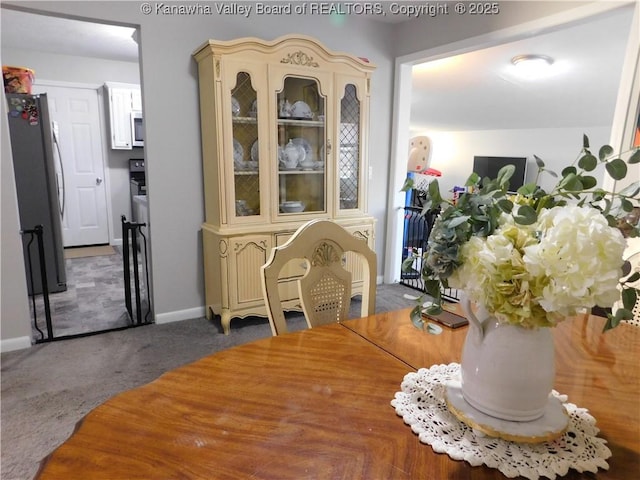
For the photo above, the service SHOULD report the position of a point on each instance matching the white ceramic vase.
(506, 371)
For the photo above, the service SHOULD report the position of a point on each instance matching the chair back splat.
(325, 288)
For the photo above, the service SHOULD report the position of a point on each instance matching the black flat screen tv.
(490, 166)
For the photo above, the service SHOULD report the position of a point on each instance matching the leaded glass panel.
(246, 158)
(349, 148)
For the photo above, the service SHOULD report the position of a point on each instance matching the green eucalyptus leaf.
(635, 157)
(604, 152)
(623, 314)
(598, 195)
(611, 322)
(585, 141)
(588, 182)
(527, 189)
(407, 263)
(629, 297)
(626, 205)
(432, 287)
(489, 185)
(408, 184)
(426, 208)
(617, 168)
(571, 183)
(434, 192)
(525, 215)
(458, 221)
(568, 171)
(505, 205)
(539, 162)
(473, 179)
(504, 174)
(588, 162)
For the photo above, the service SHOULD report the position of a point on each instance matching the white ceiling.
(473, 91)
(479, 91)
(42, 33)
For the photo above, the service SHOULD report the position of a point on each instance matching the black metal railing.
(131, 263)
(36, 234)
(417, 227)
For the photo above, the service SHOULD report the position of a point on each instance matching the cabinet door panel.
(299, 106)
(246, 150)
(352, 261)
(120, 118)
(350, 152)
(136, 100)
(246, 256)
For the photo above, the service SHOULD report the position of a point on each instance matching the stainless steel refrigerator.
(37, 185)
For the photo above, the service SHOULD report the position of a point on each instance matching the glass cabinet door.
(301, 140)
(349, 149)
(244, 114)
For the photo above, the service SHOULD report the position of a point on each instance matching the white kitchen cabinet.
(123, 99)
(136, 100)
(257, 100)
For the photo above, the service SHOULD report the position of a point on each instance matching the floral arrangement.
(534, 257)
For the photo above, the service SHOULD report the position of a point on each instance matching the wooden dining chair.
(325, 288)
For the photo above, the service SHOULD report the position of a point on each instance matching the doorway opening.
(95, 297)
(454, 141)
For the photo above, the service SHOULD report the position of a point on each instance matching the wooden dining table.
(316, 404)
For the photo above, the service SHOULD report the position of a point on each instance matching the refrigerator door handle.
(61, 201)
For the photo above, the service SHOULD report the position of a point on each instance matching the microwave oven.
(137, 129)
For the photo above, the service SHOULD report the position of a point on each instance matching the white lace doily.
(421, 404)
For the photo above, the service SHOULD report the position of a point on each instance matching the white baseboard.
(18, 343)
(179, 315)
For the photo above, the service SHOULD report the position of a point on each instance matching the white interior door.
(78, 140)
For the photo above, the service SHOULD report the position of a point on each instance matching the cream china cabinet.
(284, 139)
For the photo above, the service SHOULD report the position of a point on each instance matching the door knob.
(98, 181)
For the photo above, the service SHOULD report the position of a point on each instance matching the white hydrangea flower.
(536, 275)
(580, 256)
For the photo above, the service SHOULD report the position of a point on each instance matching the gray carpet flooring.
(46, 389)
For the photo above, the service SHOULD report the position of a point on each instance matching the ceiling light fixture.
(532, 66)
